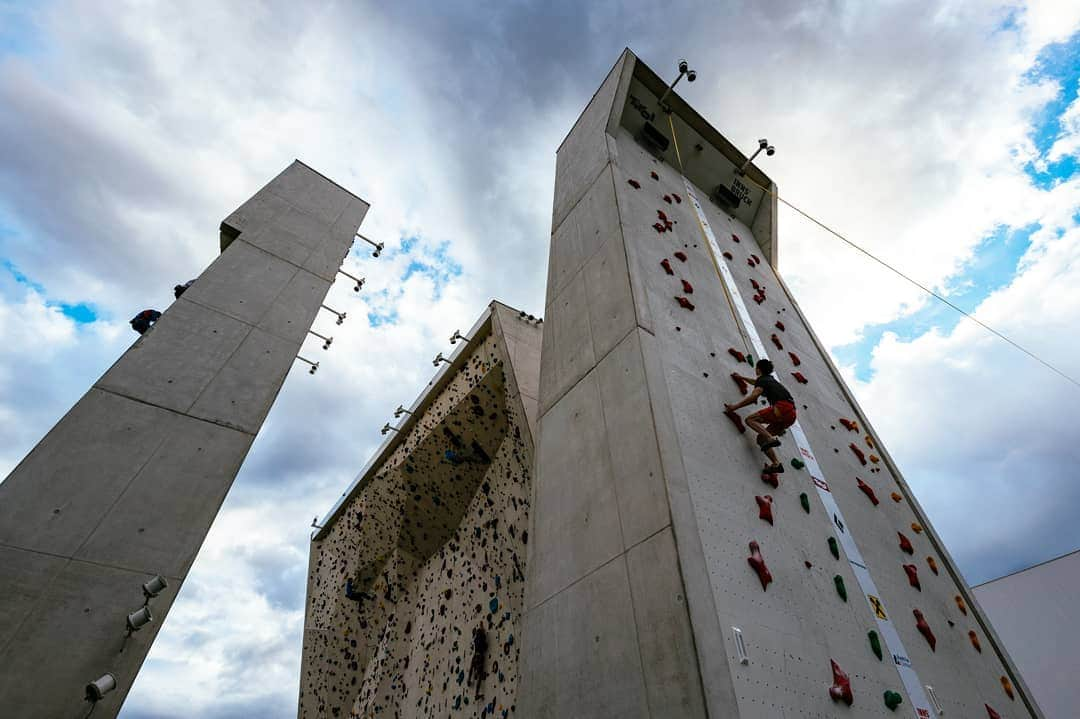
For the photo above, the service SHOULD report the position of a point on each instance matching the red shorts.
(778, 417)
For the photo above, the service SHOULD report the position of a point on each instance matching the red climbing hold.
(780, 325)
(685, 303)
(654, 176)
(635, 184)
(667, 266)
(776, 341)
(868, 491)
(667, 199)
(993, 714)
(736, 354)
(736, 420)
(905, 544)
(687, 287)
(756, 561)
(933, 565)
(659, 228)
(735, 237)
(749, 262)
(924, 629)
(728, 256)
(960, 604)
(858, 453)
(975, 641)
(773, 480)
(764, 505)
(849, 425)
(662, 216)
(912, 576)
(757, 261)
(744, 388)
(755, 284)
(841, 686)
(799, 377)
(794, 359)
(678, 200)
(759, 298)
(681, 256)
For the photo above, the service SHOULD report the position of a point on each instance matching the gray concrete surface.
(127, 483)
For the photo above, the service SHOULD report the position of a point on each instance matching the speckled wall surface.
(431, 548)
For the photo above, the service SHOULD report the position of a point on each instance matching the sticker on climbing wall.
(901, 661)
(860, 565)
(879, 608)
(821, 483)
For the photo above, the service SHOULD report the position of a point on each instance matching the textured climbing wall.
(630, 266)
(431, 547)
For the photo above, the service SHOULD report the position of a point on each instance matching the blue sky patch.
(81, 312)
(1060, 63)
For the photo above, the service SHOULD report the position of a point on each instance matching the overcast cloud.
(946, 139)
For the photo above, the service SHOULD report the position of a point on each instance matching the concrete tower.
(642, 596)
(126, 485)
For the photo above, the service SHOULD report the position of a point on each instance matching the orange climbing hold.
(794, 359)
(1007, 686)
(681, 256)
(841, 686)
(960, 604)
(744, 388)
(667, 266)
(849, 425)
(933, 565)
(868, 491)
(779, 325)
(905, 544)
(858, 453)
(736, 354)
(875, 459)
(799, 377)
(916, 527)
(992, 714)
(764, 505)
(687, 287)
(975, 640)
(912, 575)
(896, 496)
(685, 303)
(756, 561)
(776, 341)
(736, 420)
(869, 441)
(635, 184)
(924, 629)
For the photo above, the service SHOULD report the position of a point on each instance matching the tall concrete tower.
(667, 577)
(124, 488)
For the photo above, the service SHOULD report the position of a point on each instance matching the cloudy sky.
(946, 139)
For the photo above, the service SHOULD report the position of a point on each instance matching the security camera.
(313, 368)
(326, 344)
(438, 358)
(341, 318)
(762, 143)
(770, 151)
(101, 686)
(399, 411)
(456, 336)
(691, 75)
(378, 250)
(139, 619)
(154, 587)
(683, 66)
(385, 428)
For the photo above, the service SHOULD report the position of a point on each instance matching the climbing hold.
(681, 256)
(659, 228)
(1007, 686)
(804, 500)
(896, 496)
(912, 575)
(757, 260)
(933, 565)
(858, 453)
(975, 641)
(764, 508)
(993, 714)
(916, 527)
(685, 303)
(654, 176)
(875, 643)
(736, 420)
(635, 184)
(749, 262)
(687, 287)
(755, 285)
(776, 341)
(771, 479)
(667, 199)
(741, 383)
(797, 463)
(736, 354)
(794, 359)
(875, 459)
(663, 218)
(779, 325)
(892, 700)
(808, 564)
(735, 237)
(728, 256)
(924, 629)
(841, 686)
(905, 544)
(849, 425)
(960, 604)
(756, 561)
(840, 588)
(678, 200)
(868, 491)
(758, 298)
(799, 377)
(750, 360)
(834, 547)
(666, 264)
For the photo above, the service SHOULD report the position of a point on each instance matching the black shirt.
(773, 390)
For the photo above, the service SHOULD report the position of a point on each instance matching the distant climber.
(774, 419)
(144, 320)
(476, 666)
(181, 289)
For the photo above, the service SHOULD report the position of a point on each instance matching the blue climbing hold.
(494, 605)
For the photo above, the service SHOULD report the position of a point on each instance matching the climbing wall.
(429, 548)
(826, 592)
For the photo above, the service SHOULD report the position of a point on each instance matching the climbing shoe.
(769, 445)
(777, 468)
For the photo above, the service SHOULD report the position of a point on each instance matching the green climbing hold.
(893, 700)
(840, 589)
(875, 643)
(798, 463)
(805, 502)
(834, 547)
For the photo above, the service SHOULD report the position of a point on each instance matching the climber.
(476, 666)
(181, 289)
(774, 419)
(144, 320)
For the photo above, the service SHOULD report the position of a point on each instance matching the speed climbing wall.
(429, 545)
(667, 575)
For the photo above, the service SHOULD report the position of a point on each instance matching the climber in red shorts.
(774, 419)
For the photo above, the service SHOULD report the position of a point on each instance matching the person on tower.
(772, 421)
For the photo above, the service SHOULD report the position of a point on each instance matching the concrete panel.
(25, 577)
(280, 243)
(307, 228)
(242, 392)
(326, 259)
(58, 493)
(610, 304)
(346, 226)
(258, 212)
(244, 264)
(311, 192)
(159, 522)
(578, 530)
(591, 223)
(566, 327)
(173, 363)
(296, 308)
